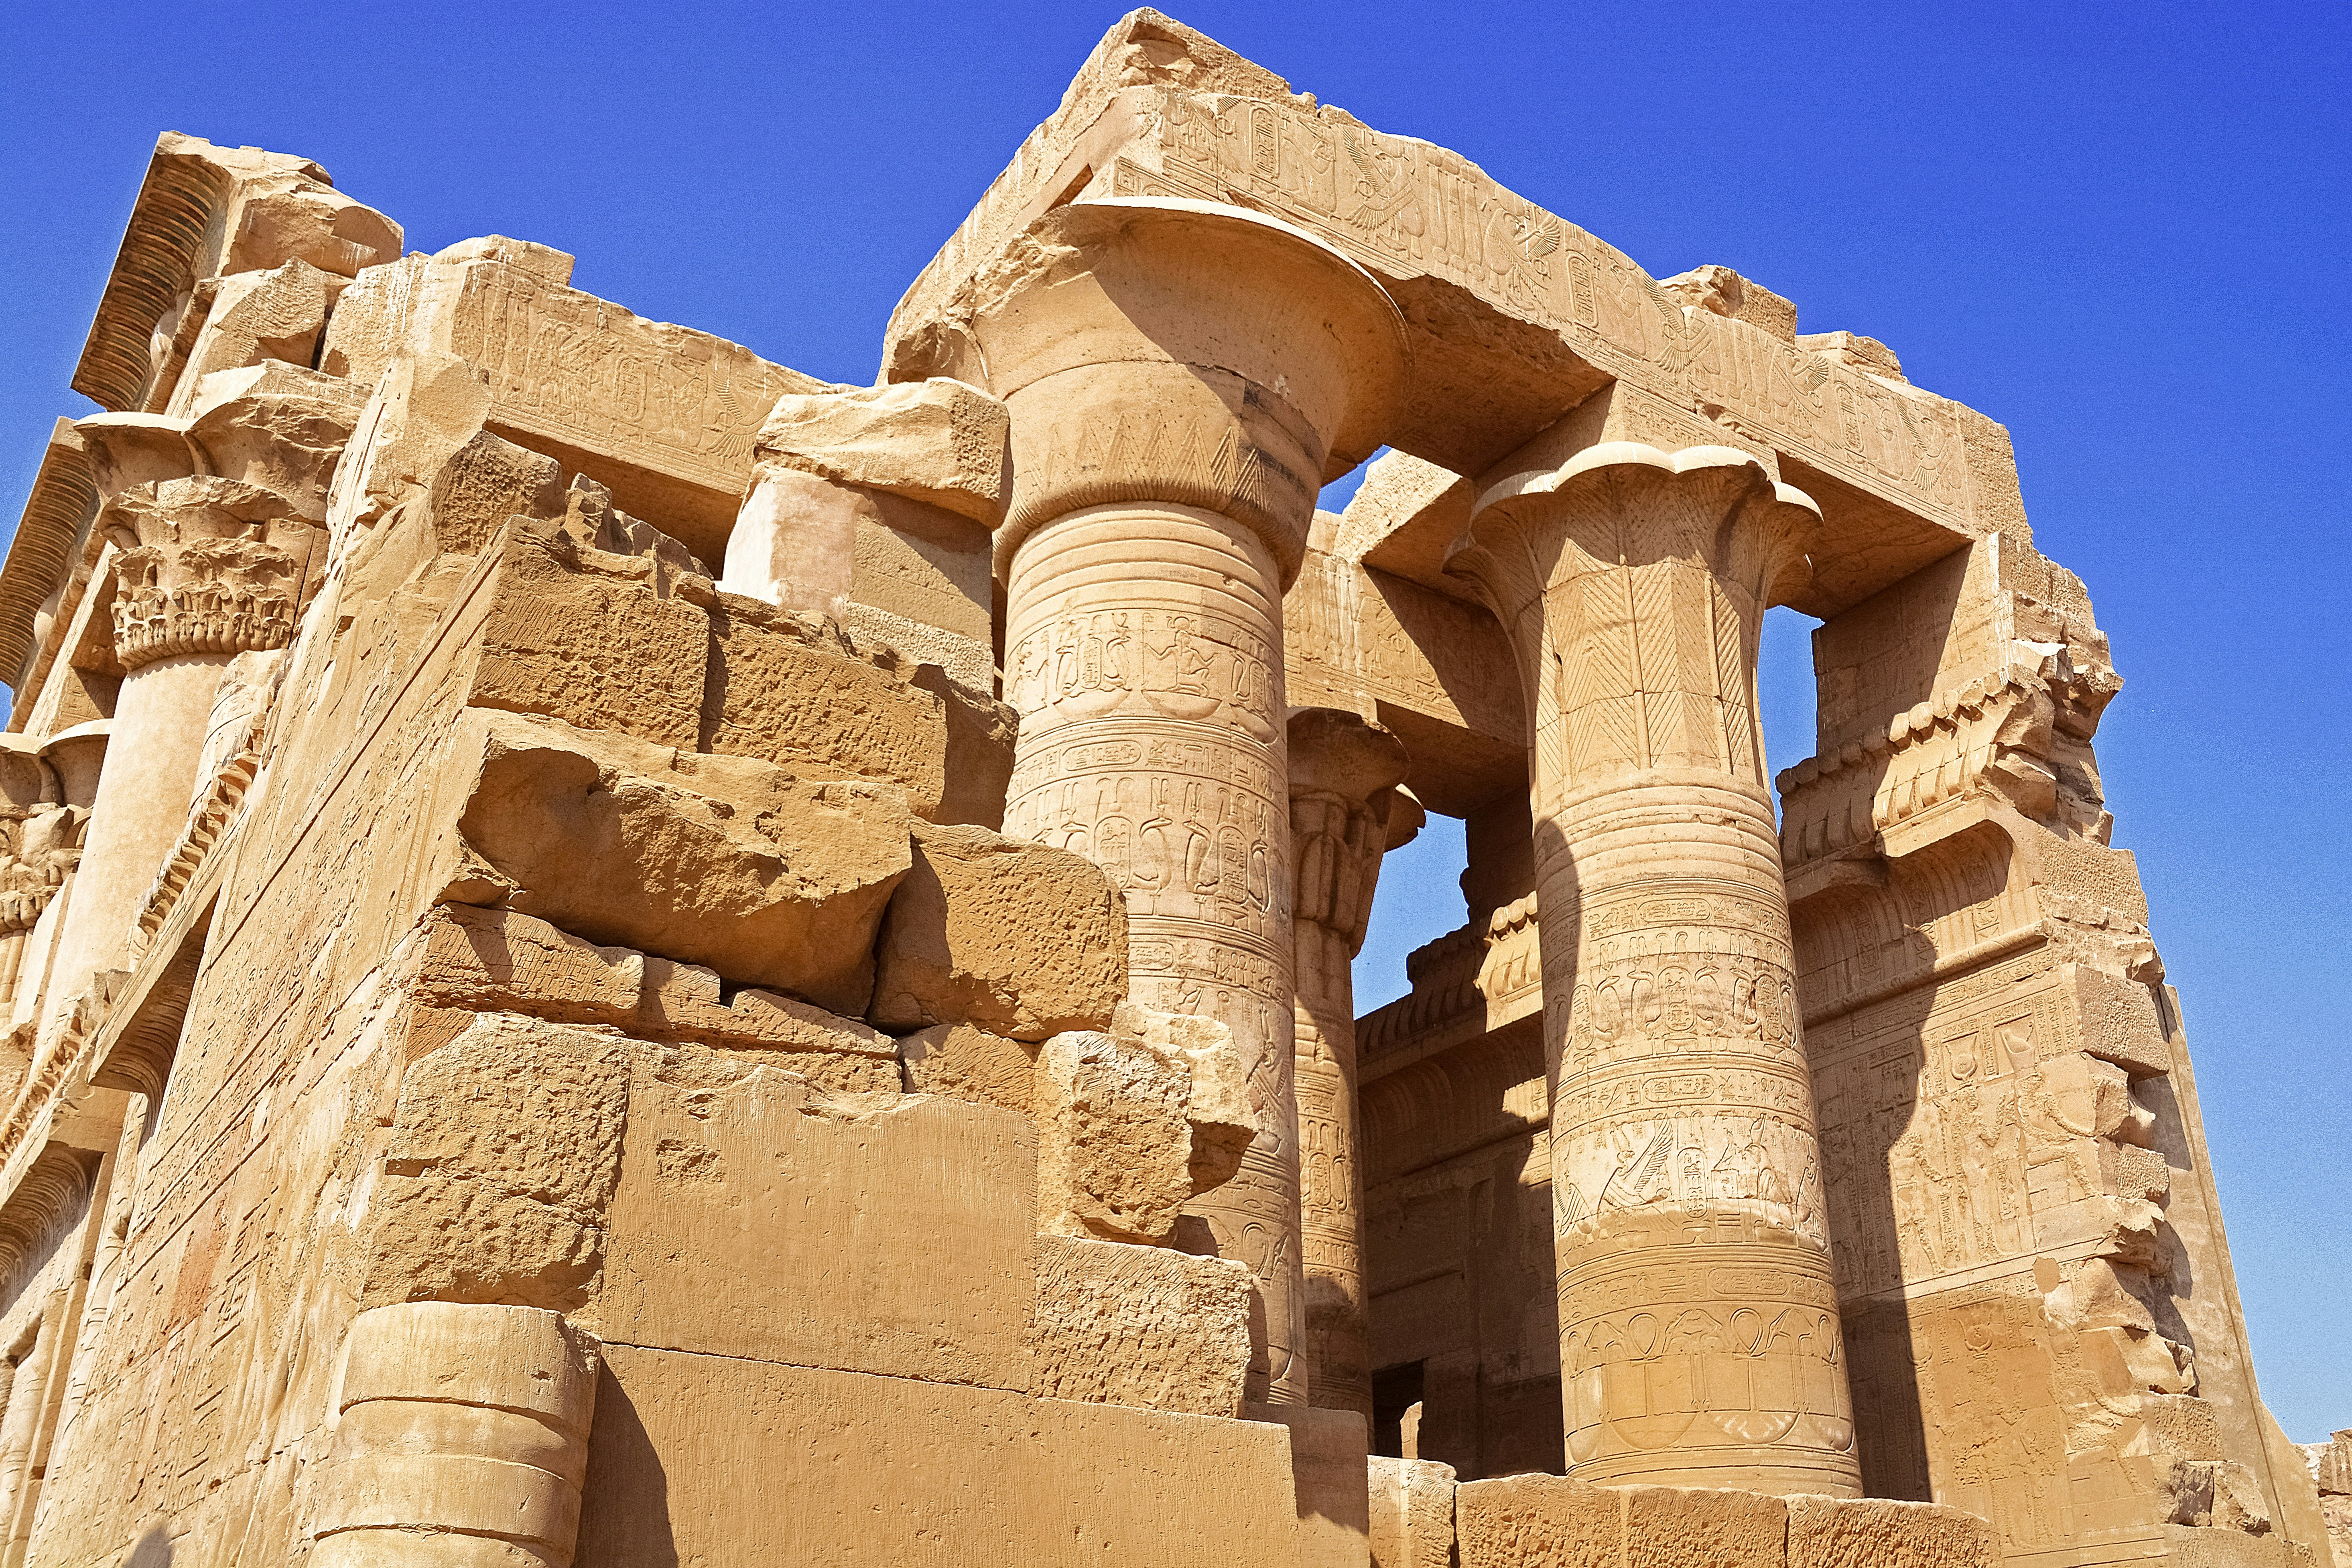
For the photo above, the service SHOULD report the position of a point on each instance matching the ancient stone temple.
(615, 956)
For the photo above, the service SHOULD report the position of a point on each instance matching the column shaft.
(1699, 1333)
(1142, 648)
(141, 806)
(1345, 813)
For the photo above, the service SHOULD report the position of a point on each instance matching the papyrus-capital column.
(1181, 378)
(1699, 1336)
(1346, 812)
(206, 567)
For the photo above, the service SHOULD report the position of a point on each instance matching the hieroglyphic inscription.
(569, 367)
(1405, 208)
(1950, 1138)
(1681, 1083)
(1151, 742)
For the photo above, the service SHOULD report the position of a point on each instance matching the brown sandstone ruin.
(617, 956)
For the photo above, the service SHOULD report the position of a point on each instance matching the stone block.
(936, 441)
(789, 689)
(689, 1002)
(1521, 1520)
(701, 1459)
(277, 378)
(1720, 292)
(544, 262)
(663, 414)
(1879, 1532)
(2115, 1020)
(1218, 1107)
(1120, 1324)
(255, 317)
(491, 959)
(285, 440)
(760, 1216)
(964, 1063)
(1672, 1527)
(423, 408)
(981, 735)
(1114, 1145)
(1015, 936)
(769, 879)
(2331, 1464)
(504, 1152)
(1329, 1471)
(1411, 1517)
(486, 481)
(2199, 1546)
(590, 639)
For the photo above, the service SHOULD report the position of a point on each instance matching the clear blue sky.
(2119, 229)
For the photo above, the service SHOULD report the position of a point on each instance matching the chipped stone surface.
(998, 932)
(1411, 1518)
(965, 1063)
(502, 1159)
(1122, 1324)
(765, 878)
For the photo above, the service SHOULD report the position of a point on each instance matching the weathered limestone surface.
(1122, 1324)
(612, 955)
(1410, 1514)
(914, 1472)
(2331, 1470)
(663, 415)
(1549, 1518)
(1009, 934)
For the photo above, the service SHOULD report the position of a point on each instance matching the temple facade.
(614, 955)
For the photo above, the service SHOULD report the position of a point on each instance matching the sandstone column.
(1345, 813)
(1699, 1342)
(209, 568)
(1181, 378)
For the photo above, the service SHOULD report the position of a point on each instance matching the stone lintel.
(1514, 316)
(663, 416)
(1434, 671)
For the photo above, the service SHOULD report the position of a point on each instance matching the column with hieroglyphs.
(1699, 1335)
(1182, 379)
(1346, 812)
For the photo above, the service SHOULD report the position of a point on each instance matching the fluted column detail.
(1180, 379)
(1699, 1337)
(1345, 813)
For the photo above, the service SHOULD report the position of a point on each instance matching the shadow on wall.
(624, 1503)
